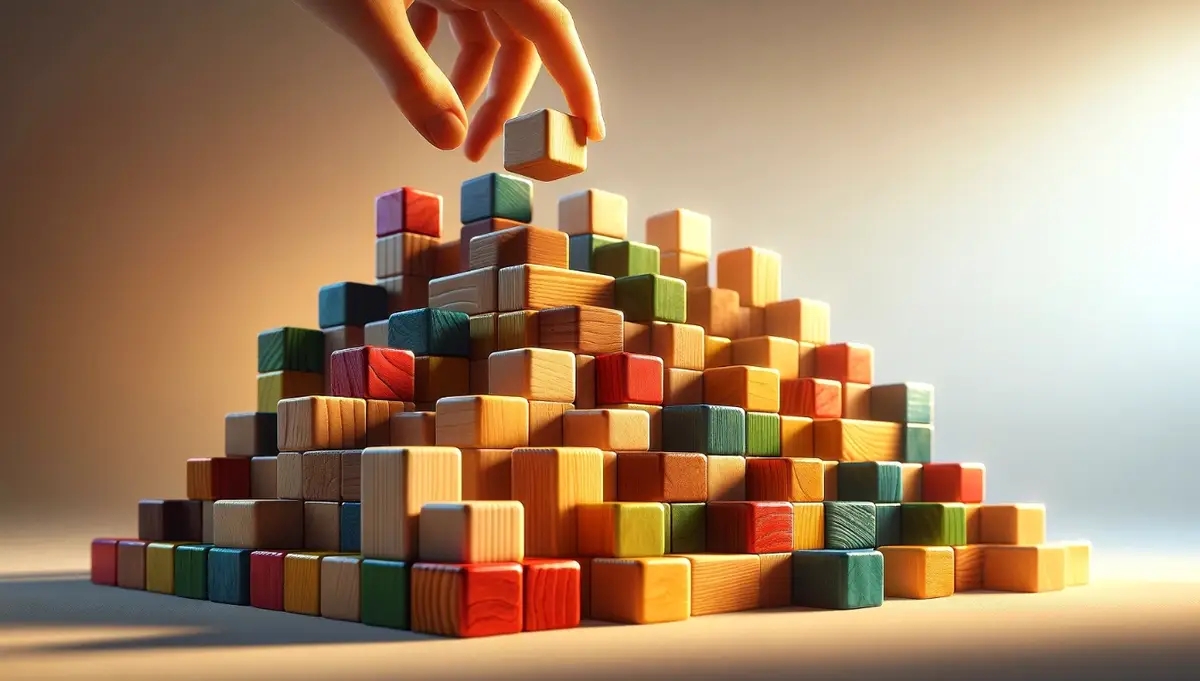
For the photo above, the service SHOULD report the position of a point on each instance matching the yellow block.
(641, 590)
(918, 571)
(483, 421)
(1012, 524)
(808, 526)
(160, 566)
(1024, 568)
(718, 352)
(281, 385)
(622, 529)
(1078, 561)
(796, 437)
(753, 272)
(772, 352)
(724, 582)
(302, 583)
(472, 532)
(751, 388)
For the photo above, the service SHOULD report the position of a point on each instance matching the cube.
(396, 483)
(801, 319)
(704, 428)
(467, 600)
(520, 245)
(953, 482)
(131, 564)
(533, 373)
(545, 145)
(809, 397)
(250, 434)
(191, 570)
(753, 272)
(902, 403)
(593, 213)
(692, 269)
(160, 567)
(782, 354)
(551, 483)
(651, 298)
(472, 532)
(266, 579)
(258, 523)
(373, 374)
(680, 231)
(551, 592)
(1025, 569)
(581, 249)
(716, 309)
(341, 587)
(321, 423)
(874, 481)
(849, 525)
(351, 303)
(916, 443)
(482, 422)
(662, 476)
(408, 210)
(218, 478)
(933, 524)
(351, 527)
(762, 434)
(748, 527)
(291, 349)
(385, 592)
(808, 525)
(302, 583)
(837, 579)
(846, 362)
(918, 571)
(431, 332)
(104, 561)
(780, 479)
(625, 259)
(276, 386)
(581, 329)
(641, 590)
(1012, 524)
(754, 389)
(169, 520)
(496, 195)
(888, 525)
(229, 576)
(622, 529)
(625, 378)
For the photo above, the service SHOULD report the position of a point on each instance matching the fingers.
(424, 21)
(515, 71)
(477, 53)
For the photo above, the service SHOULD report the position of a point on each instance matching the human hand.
(503, 44)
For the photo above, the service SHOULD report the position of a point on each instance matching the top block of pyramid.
(545, 145)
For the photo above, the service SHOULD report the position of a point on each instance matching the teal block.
(933, 524)
(849, 525)
(350, 303)
(651, 298)
(902, 403)
(837, 580)
(496, 195)
(582, 248)
(704, 428)
(887, 525)
(291, 349)
(229, 576)
(191, 570)
(625, 259)
(689, 527)
(917, 443)
(384, 588)
(762, 434)
(350, 527)
(875, 481)
(431, 332)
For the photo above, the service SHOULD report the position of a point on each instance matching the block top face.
(497, 195)
(680, 231)
(408, 210)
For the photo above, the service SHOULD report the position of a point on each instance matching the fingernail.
(445, 130)
(600, 128)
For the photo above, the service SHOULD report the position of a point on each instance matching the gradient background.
(1001, 197)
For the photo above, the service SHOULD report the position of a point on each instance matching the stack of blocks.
(527, 426)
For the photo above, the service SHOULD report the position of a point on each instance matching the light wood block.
(351, 474)
(274, 386)
(483, 422)
(484, 335)
(691, 268)
(808, 526)
(773, 352)
(636, 337)
(856, 401)
(1012, 524)
(374, 335)
(622, 529)
(472, 292)
(472, 532)
(681, 346)
(654, 411)
(968, 567)
(753, 272)
(545, 145)
(477, 228)
(533, 374)
(641, 590)
(396, 483)
(850, 440)
(585, 382)
(972, 516)
(796, 437)
(801, 319)
(724, 583)
(249, 434)
(551, 483)
(750, 388)
(340, 588)
(910, 482)
(546, 420)
(258, 524)
(683, 386)
(610, 476)
(379, 421)
(321, 476)
(537, 287)
(680, 231)
(322, 526)
(1028, 569)
(264, 477)
(446, 258)
(918, 571)
(414, 429)
(404, 292)
(518, 329)
(784, 479)
(289, 480)
(718, 352)
(524, 245)
(662, 476)
(581, 329)
(486, 474)
(1078, 562)
(594, 211)
(715, 309)
(775, 580)
(405, 253)
(623, 430)
(726, 478)
(311, 423)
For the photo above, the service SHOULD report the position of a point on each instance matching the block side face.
(385, 587)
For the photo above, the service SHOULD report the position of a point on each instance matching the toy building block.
(837, 579)
(404, 292)
(704, 428)
(781, 354)
(748, 388)
(849, 525)
(849, 440)
(266, 579)
(486, 474)
(723, 583)
(496, 195)
(609, 476)
(302, 583)
(545, 145)
(131, 564)
(910, 482)
(622, 529)
(478, 378)
(351, 303)
(681, 346)
(408, 210)
(206, 521)
(481, 599)
(888, 531)
(350, 527)
(972, 513)
(519, 329)
(551, 592)
(796, 439)
(414, 429)
(283, 385)
(662, 476)
(445, 258)
(651, 298)
(594, 212)
(718, 352)
(482, 422)
(471, 292)
(808, 525)
(372, 373)
(968, 567)
(104, 561)
(546, 420)
(715, 309)
(846, 362)
(379, 418)
(780, 479)
(762, 434)
(534, 374)
(916, 443)
(249, 434)
(385, 586)
(751, 322)
(521, 245)
(1025, 569)
(191, 570)
(409, 254)
(641, 590)
(472, 532)
(289, 475)
(680, 231)
(625, 377)
(1012, 524)
(608, 429)
(585, 381)
(160, 567)
(475, 229)
(856, 401)
(438, 377)
(315, 422)
(343, 337)
(801, 319)
(933, 524)
(551, 483)
(625, 259)
(683, 386)
(902, 403)
(582, 248)
(654, 411)
(636, 337)
(396, 483)
(322, 526)
(484, 334)
(726, 478)
(814, 398)
(220, 478)
(537, 287)
(831, 479)
(749, 527)
(169, 520)
(918, 571)
(691, 268)
(341, 597)
(431, 331)
(291, 349)
(775, 580)
(258, 523)
(957, 482)
(229, 576)
(875, 481)
(688, 528)
(1078, 561)
(753, 272)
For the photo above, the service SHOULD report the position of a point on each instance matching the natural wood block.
(302, 583)
(625, 377)
(467, 600)
(718, 352)
(438, 377)
(206, 521)
(622, 529)
(1078, 562)
(837, 580)
(902, 403)
(849, 440)
(808, 525)
(972, 513)
(289, 471)
(688, 527)
(522, 245)
(169, 520)
(724, 583)
(445, 258)
(546, 420)
(496, 195)
(405, 292)
(251, 434)
(784, 479)
(796, 437)
(160, 566)
(762, 434)
(263, 477)
(372, 373)
(933, 524)
(637, 338)
(749, 388)
(349, 477)
(910, 482)
(472, 292)
(609, 429)
(350, 303)
(625, 259)
(275, 386)
(472, 532)
(594, 211)
(551, 483)
(291, 349)
(552, 593)
(715, 309)
(396, 483)
(321, 475)
(405, 253)
(749, 527)
(874, 481)
(680, 346)
(545, 145)
(918, 571)
(691, 268)
(662, 476)
(641, 590)
(379, 421)
(753, 272)
(726, 478)
(968, 567)
(130, 565)
(486, 474)
(581, 329)
(414, 429)
(651, 298)
(846, 362)
(814, 398)
(1027, 569)
(1012, 524)
(775, 580)
(781, 354)
(831, 480)
(340, 587)
(751, 322)
(800, 319)
(683, 386)
(311, 423)
(518, 329)
(856, 401)
(408, 210)
(585, 381)
(220, 478)
(483, 422)
(386, 588)
(322, 526)
(680, 231)
(654, 411)
(537, 287)
(850, 525)
(258, 524)
(431, 332)
(533, 373)
(474, 229)
(959, 482)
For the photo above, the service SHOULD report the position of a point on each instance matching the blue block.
(849, 525)
(229, 576)
(837, 580)
(349, 303)
(351, 527)
(917, 442)
(704, 428)
(431, 332)
(874, 481)
(887, 525)
(582, 246)
(496, 195)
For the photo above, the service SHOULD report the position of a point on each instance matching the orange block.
(831, 479)
(968, 567)
(552, 483)
(753, 272)
(636, 337)
(801, 319)
(662, 476)
(726, 478)
(850, 440)
(486, 474)
(546, 422)
(918, 571)
(681, 346)
(718, 352)
(612, 429)
(856, 401)
(641, 590)
(752, 321)
(784, 479)
(467, 600)
(438, 377)
(691, 268)
(846, 362)
(724, 583)
(483, 422)
(715, 309)
(1012, 524)
(782, 354)
(775, 580)
(796, 437)
(1024, 568)
(953, 482)
(585, 381)
(414, 429)
(751, 388)
(814, 398)
(683, 386)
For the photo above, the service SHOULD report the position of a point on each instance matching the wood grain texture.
(229, 576)
(414, 429)
(408, 209)
(266, 579)
(680, 231)
(1012, 524)
(546, 420)
(396, 483)
(856, 401)
(583, 247)
(496, 195)
(624, 377)
(585, 381)
(837, 580)
(918, 571)
(610, 475)
(249, 434)
(219, 478)
(796, 437)
(486, 474)
(801, 319)
(808, 525)
(131, 564)
(545, 145)
(386, 588)
(968, 567)
(749, 527)
(814, 398)
(715, 309)
(552, 594)
(608, 429)
(785, 479)
(471, 292)
(478, 228)
(718, 352)
(651, 298)
(104, 561)
(888, 530)
(340, 587)
(723, 583)
(321, 476)
(933, 524)
(753, 272)
(874, 481)
(191, 570)
(431, 331)
(762, 434)
(160, 567)
(350, 527)
(846, 362)
(748, 388)
(910, 482)
(472, 532)
(313, 423)
(404, 292)
(533, 373)
(772, 352)
(289, 468)
(379, 421)
(849, 525)
(169, 520)
(953, 482)
(625, 259)
(302, 583)
(445, 258)
(654, 411)
(322, 526)
(688, 528)
(438, 377)
(206, 521)
(691, 268)
(726, 478)
(751, 322)
(662, 476)
(902, 402)
(594, 211)
(680, 346)
(291, 349)
(1025, 569)
(372, 374)
(849, 440)
(483, 422)
(537, 287)
(637, 337)
(582, 329)
(521, 245)
(775, 580)
(683, 386)
(405, 253)
(641, 590)
(622, 529)
(484, 335)
(517, 329)
(916, 443)
(551, 483)
(275, 386)
(259, 524)
(467, 600)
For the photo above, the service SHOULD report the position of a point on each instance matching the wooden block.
(320, 475)
(130, 564)
(160, 567)
(258, 523)
(551, 483)
(748, 527)
(775, 580)
(625, 377)
(902, 403)
(718, 352)
(302, 583)
(837, 579)
(431, 331)
(636, 337)
(583, 246)
(641, 590)
(1026, 569)
(486, 474)
(483, 422)
(229, 576)
(662, 476)
(594, 212)
(1078, 561)
(379, 420)
(651, 298)
(534, 374)
(933, 524)
(250, 434)
(680, 346)
(206, 521)
(104, 565)
(680, 231)
(957, 482)
(404, 292)
(343, 337)
(781, 354)
(609, 429)
(396, 483)
(405, 253)
(849, 525)
(552, 593)
(291, 349)
(386, 588)
(874, 481)
(408, 210)
(1012, 524)
(467, 600)
(479, 378)
(748, 388)
(339, 581)
(474, 229)
(445, 258)
(438, 377)
(726, 478)
(751, 322)
(372, 373)
(683, 386)
(317, 422)
(518, 329)
(622, 529)
(813, 398)
(831, 480)
(625, 259)
(691, 268)
(322, 526)
(537, 287)
(704, 428)
(414, 429)
(496, 195)
(266, 579)
(762, 434)
(585, 381)
(546, 419)
(688, 528)
(856, 401)
(796, 437)
(724, 583)
(753, 272)
(801, 319)
(349, 303)
(191, 571)
(610, 476)
(808, 525)
(910, 482)
(654, 411)
(916, 443)
(350, 530)
(808, 360)
(472, 292)
(918, 571)
(849, 440)
(888, 530)
(220, 478)
(715, 309)
(968, 567)
(521, 245)
(276, 386)
(545, 145)
(472, 532)
(176, 520)
(846, 362)
(780, 479)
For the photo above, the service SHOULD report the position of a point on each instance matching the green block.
(704, 428)
(497, 195)
(837, 580)
(887, 524)
(625, 259)
(917, 442)
(651, 298)
(582, 249)
(902, 403)
(933, 524)
(849, 525)
(431, 331)
(874, 481)
(291, 349)
(762, 434)
(384, 589)
(349, 303)
(191, 570)
(688, 528)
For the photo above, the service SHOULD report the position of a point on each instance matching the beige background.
(1000, 196)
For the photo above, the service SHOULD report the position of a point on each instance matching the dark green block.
(887, 524)
(704, 428)
(651, 298)
(431, 332)
(917, 443)
(849, 525)
(875, 481)
(496, 195)
(291, 349)
(350, 527)
(625, 259)
(383, 587)
(933, 524)
(902, 403)
(688, 528)
(350, 303)
(191, 570)
(837, 580)
(229, 576)
(582, 248)
(762, 434)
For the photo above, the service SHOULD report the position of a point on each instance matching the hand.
(504, 40)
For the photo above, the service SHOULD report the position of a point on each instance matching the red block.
(372, 373)
(814, 398)
(627, 378)
(104, 561)
(266, 579)
(749, 527)
(408, 210)
(846, 362)
(479, 599)
(952, 483)
(215, 478)
(552, 593)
